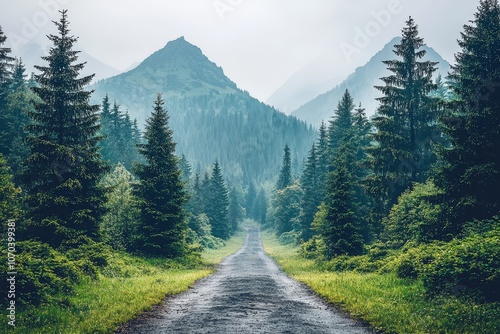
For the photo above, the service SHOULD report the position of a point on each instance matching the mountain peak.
(361, 84)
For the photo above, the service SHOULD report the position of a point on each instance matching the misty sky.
(258, 43)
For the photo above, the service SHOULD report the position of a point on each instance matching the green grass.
(388, 303)
(129, 286)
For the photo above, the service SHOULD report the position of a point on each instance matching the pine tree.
(469, 170)
(185, 167)
(340, 227)
(323, 158)
(5, 82)
(285, 176)
(19, 102)
(105, 120)
(121, 135)
(217, 204)
(310, 183)
(64, 199)
(340, 123)
(235, 210)
(362, 130)
(160, 192)
(405, 123)
(5, 64)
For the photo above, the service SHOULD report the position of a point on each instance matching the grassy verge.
(129, 286)
(388, 303)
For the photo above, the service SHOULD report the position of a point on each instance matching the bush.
(414, 217)
(463, 266)
(200, 232)
(42, 273)
(469, 265)
(289, 238)
(313, 248)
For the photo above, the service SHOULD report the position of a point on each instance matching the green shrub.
(289, 238)
(414, 218)
(200, 232)
(312, 249)
(42, 273)
(468, 265)
(463, 266)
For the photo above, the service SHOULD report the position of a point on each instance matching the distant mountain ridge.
(361, 86)
(178, 70)
(210, 116)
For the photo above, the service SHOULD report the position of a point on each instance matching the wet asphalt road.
(247, 294)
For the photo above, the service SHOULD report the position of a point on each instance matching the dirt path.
(248, 294)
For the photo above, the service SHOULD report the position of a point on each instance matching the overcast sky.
(258, 43)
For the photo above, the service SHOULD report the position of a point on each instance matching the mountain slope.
(211, 118)
(360, 85)
(316, 77)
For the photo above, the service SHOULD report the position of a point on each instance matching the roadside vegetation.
(378, 296)
(122, 289)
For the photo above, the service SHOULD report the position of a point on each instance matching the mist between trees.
(412, 191)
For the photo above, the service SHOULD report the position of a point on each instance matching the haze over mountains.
(210, 116)
(361, 86)
(30, 54)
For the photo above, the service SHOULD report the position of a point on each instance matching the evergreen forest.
(89, 188)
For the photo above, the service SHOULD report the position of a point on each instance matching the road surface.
(248, 294)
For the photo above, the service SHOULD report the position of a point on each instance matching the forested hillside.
(211, 117)
(113, 194)
(410, 192)
(360, 84)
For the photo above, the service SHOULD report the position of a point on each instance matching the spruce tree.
(362, 130)
(19, 102)
(235, 210)
(6, 64)
(160, 192)
(105, 120)
(217, 204)
(285, 176)
(340, 229)
(310, 183)
(340, 123)
(405, 123)
(64, 199)
(185, 167)
(469, 170)
(323, 158)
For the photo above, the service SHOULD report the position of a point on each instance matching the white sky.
(258, 43)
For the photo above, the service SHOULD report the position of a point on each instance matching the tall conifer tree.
(160, 191)
(340, 123)
(285, 176)
(310, 183)
(469, 171)
(217, 204)
(340, 229)
(405, 122)
(6, 64)
(64, 199)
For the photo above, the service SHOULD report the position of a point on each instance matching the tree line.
(81, 179)
(422, 172)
